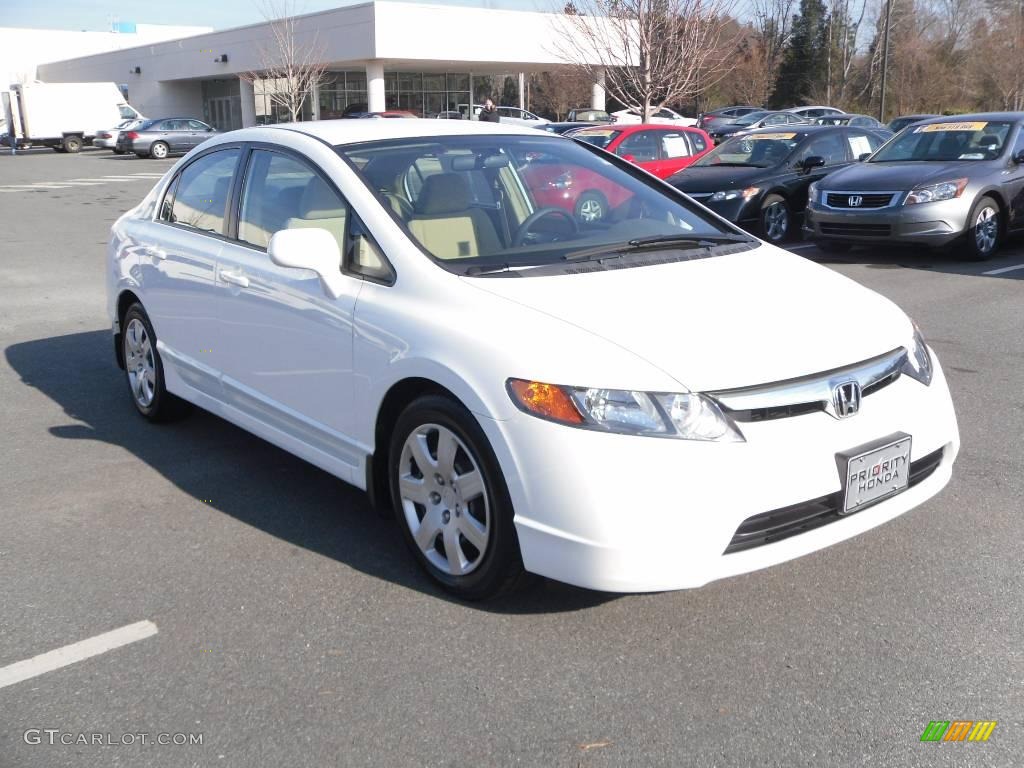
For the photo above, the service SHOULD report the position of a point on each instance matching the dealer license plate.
(876, 473)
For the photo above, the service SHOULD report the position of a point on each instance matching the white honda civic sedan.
(645, 401)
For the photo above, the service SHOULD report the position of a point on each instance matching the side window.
(281, 192)
(776, 120)
(203, 190)
(171, 125)
(195, 125)
(673, 144)
(1018, 145)
(861, 142)
(417, 175)
(642, 145)
(698, 142)
(829, 146)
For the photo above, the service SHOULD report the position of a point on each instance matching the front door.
(287, 345)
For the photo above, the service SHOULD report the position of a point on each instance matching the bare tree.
(650, 52)
(292, 65)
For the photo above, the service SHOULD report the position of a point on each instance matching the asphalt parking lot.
(292, 628)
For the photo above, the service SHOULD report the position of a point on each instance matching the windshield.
(757, 150)
(963, 140)
(751, 117)
(599, 138)
(481, 202)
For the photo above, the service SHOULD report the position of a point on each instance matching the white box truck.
(65, 116)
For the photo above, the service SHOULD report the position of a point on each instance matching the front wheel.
(159, 150)
(451, 500)
(774, 219)
(984, 232)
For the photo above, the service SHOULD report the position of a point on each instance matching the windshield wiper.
(616, 250)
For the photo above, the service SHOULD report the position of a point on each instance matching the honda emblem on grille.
(854, 201)
(846, 399)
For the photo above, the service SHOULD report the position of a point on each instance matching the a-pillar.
(375, 86)
(248, 100)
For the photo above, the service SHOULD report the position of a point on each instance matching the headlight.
(686, 416)
(732, 194)
(918, 364)
(946, 190)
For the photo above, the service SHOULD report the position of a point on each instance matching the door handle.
(157, 253)
(235, 278)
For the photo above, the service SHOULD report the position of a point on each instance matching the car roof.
(357, 131)
(975, 117)
(635, 127)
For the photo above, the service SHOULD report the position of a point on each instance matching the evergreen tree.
(804, 68)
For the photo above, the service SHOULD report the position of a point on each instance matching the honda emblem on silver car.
(846, 399)
(854, 201)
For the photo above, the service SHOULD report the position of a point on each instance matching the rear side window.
(203, 191)
(673, 144)
(861, 143)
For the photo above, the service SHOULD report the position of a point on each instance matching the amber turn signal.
(548, 401)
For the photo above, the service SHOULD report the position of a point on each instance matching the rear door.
(177, 267)
(674, 153)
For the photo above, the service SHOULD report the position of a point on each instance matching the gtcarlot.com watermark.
(55, 736)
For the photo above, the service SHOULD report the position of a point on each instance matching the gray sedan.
(943, 181)
(164, 137)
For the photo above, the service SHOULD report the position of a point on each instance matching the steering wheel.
(524, 229)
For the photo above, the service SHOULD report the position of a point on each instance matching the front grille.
(855, 230)
(779, 524)
(867, 200)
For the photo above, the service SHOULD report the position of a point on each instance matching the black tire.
(982, 251)
(163, 406)
(72, 144)
(772, 230)
(58, 148)
(833, 246)
(141, 155)
(159, 150)
(118, 151)
(591, 208)
(499, 567)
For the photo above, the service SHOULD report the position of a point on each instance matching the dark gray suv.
(164, 137)
(950, 180)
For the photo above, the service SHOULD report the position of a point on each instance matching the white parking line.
(1001, 270)
(801, 247)
(70, 654)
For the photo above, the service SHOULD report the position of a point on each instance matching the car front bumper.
(639, 514)
(933, 224)
(746, 213)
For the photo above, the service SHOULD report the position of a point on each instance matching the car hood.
(886, 177)
(710, 178)
(728, 321)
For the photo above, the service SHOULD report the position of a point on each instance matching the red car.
(658, 149)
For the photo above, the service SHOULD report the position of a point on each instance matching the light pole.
(885, 60)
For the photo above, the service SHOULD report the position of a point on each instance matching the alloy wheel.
(776, 221)
(444, 499)
(140, 363)
(986, 230)
(591, 210)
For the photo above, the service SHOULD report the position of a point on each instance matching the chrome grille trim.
(897, 197)
(807, 394)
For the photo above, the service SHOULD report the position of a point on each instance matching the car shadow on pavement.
(926, 259)
(269, 489)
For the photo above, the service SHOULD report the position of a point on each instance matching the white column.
(522, 91)
(597, 92)
(248, 95)
(375, 86)
(315, 105)
(472, 97)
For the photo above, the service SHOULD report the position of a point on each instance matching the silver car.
(107, 139)
(950, 180)
(164, 137)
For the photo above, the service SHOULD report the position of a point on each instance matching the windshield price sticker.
(977, 126)
(774, 136)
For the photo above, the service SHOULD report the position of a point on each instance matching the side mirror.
(210, 129)
(1018, 157)
(314, 249)
(814, 161)
(863, 156)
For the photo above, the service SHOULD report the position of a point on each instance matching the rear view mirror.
(314, 249)
(814, 161)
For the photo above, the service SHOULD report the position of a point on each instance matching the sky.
(96, 15)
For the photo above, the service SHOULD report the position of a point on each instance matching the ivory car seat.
(445, 222)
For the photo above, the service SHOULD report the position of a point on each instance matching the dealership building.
(379, 55)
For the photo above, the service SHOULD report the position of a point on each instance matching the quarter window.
(281, 192)
(674, 145)
(203, 191)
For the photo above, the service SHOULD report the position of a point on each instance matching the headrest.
(443, 193)
(319, 201)
(989, 140)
